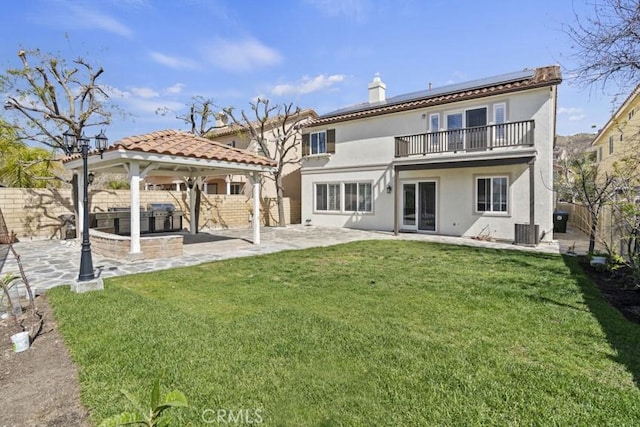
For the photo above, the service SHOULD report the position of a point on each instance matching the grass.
(366, 333)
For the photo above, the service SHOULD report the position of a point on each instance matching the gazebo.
(171, 153)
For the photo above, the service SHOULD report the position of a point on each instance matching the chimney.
(377, 90)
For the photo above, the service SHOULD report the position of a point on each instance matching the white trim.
(357, 182)
(315, 197)
(437, 129)
(491, 177)
(415, 182)
(311, 153)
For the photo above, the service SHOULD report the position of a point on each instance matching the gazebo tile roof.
(178, 143)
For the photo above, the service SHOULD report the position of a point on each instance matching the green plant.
(148, 415)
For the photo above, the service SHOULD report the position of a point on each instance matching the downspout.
(395, 200)
(532, 202)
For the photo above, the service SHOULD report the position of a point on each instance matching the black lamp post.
(74, 144)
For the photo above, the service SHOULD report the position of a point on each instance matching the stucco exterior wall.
(364, 151)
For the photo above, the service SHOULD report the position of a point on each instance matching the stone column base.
(87, 285)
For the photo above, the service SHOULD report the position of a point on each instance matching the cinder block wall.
(35, 213)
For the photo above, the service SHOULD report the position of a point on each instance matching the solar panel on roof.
(443, 90)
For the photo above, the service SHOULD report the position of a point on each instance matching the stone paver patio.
(50, 263)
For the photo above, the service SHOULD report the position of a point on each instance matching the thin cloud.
(574, 114)
(176, 62)
(570, 110)
(352, 9)
(92, 19)
(144, 92)
(176, 89)
(308, 85)
(241, 55)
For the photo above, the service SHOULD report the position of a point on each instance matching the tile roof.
(178, 143)
(505, 83)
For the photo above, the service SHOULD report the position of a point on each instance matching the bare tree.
(606, 45)
(52, 96)
(581, 181)
(201, 117)
(275, 130)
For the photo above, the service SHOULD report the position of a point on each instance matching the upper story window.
(499, 118)
(599, 156)
(318, 143)
(611, 144)
(434, 122)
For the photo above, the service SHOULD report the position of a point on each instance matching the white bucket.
(20, 341)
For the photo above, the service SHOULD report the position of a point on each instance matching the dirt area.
(617, 289)
(39, 387)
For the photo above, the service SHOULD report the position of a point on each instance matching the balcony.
(481, 138)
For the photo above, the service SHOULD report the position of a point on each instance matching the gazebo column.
(255, 181)
(192, 208)
(134, 184)
(80, 218)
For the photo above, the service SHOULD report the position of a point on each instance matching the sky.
(318, 54)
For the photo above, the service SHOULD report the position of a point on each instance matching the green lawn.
(366, 333)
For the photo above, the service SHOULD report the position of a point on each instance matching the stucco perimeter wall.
(35, 213)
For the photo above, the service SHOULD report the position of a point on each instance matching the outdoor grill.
(164, 217)
(157, 218)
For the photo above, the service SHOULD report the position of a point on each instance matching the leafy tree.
(25, 166)
(275, 130)
(605, 45)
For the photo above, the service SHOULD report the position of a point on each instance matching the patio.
(50, 263)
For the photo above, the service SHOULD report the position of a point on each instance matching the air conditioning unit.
(523, 234)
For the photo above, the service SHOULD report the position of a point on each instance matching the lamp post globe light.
(73, 144)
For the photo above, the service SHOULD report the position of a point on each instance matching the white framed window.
(235, 188)
(357, 197)
(599, 154)
(327, 197)
(492, 194)
(500, 118)
(611, 144)
(434, 122)
(318, 142)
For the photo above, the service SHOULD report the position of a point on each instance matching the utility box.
(523, 235)
(560, 219)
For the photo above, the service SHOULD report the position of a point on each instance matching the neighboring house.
(620, 135)
(471, 159)
(235, 136)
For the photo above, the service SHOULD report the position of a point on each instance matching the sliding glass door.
(419, 206)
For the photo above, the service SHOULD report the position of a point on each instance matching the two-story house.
(235, 136)
(471, 159)
(620, 136)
